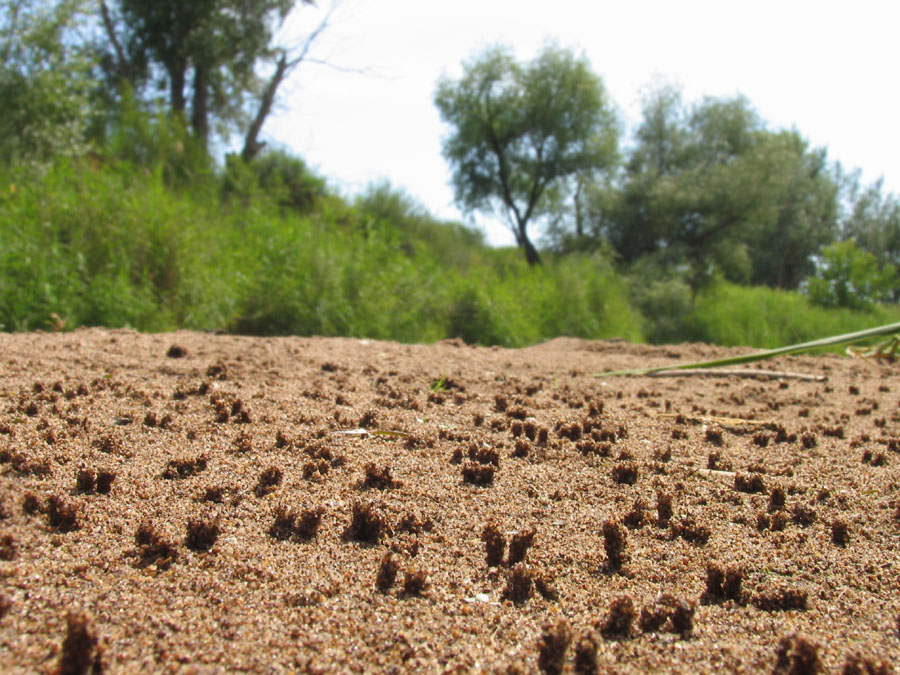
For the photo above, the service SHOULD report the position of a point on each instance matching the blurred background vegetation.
(134, 191)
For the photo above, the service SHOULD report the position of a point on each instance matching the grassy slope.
(112, 245)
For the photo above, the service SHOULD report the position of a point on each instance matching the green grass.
(96, 247)
(114, 246)
(886, 345)
(731, 315)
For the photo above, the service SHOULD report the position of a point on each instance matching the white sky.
(826, 68)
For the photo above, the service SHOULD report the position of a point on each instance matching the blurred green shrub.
(847, 276)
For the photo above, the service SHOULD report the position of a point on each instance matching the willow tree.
(523, 132)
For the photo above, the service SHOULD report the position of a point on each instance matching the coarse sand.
(198, 503)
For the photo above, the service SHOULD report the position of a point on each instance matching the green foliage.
(732, 315)
(91, 246)
(156, 142)
(871, 218)
(513, 304)
(300, 278)
(288, 181)
(475, 317)
(711, 189)
(364, 287)
(45, 83)
(798, 211)
(663, 299)
(850, 277)
(520, 132)
(274, 176)
(385, 209)
(589, 299)
(111, 244)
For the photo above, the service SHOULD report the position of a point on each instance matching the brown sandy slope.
(795, 531)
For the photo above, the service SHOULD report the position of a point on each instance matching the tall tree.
(798, 213)
(521, 132)
(209, 54)
(711, 188)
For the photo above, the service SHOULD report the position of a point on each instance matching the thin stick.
(746, 372)
(716, 472)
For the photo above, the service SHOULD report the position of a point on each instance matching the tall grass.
(764, 318)
(115, 245)
(93, 246)
(112, 245)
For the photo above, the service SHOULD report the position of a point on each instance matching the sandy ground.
(188, 502)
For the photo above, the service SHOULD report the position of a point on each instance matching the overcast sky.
(828, 69)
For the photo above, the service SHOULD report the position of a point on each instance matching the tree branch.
(283, 68)
(13, 23)
(343, 69)
(499, 152)
(252, 146)
(520, 231)
(537, 187)
(121, 60)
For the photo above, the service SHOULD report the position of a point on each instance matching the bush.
(385, 209)
(473, 317)
(90, 245)
(665, 301)
(849, 277)
(45, 83)
(273, 176)
(731, 315)
(160, 144)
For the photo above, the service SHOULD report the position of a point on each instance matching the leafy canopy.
(850, 277)
(711, 190)
(45, 81)
(522, 131)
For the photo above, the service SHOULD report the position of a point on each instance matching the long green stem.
(846, 338)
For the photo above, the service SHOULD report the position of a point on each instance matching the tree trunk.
(252, 146)
(200, 111)
(123, 67)
(531, 254)
(579, 215)
(176, 72)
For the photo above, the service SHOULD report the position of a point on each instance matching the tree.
(287, 61)
(710, 190)
(521, 133)
(209, 54)
(850, 277)
(871, 217)
(799, 210)
(45, 81)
